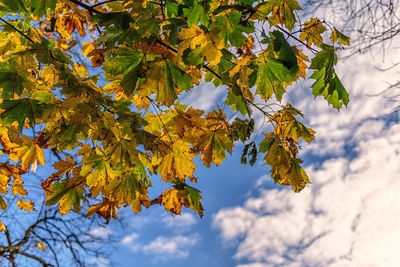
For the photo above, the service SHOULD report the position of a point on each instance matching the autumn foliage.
(102, 81)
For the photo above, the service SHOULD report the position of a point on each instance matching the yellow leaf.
(25, 205)
(338, 36)
(87, 48)
(28, 152)
(49, 75)
(213, 144)
(239, 64)
(40, 245)
(184, 166)
(211, 43)
(141, 102)
(17, 188)
(312, 32)
(2, 227)
(172, 201)
(106, 209)
(176, 163)
(301, 59)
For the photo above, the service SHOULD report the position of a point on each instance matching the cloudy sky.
(348, 216)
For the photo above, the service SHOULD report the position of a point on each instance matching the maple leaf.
(231, 29)
(282, 12)
(11, 80)
(272, 78)
(67, 197)
(28, 152)
(20, 109)
(172, 199)
(327, 82)
(312, 32)
(178, 162)
(337, 36)
(105, 209)
(209, 42)
(25, 205)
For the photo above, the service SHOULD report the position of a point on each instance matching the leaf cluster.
(101, 82)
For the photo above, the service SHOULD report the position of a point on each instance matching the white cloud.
(99, 261)
(171, 247)
(204, 96)
(127, 240)
(348, 217)
(179, 223)
(163, 247)
(99, 233)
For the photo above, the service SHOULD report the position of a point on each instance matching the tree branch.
(87, 7)
(35, 258)
(105, 2)
(20, 32)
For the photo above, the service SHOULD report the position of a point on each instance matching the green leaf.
(194, 198)
(271, 79)
(181, 78)
(247, 2)
(252, 153)
(286, 52)
(242, 129)
(327, 83)
(172, 8)
(231, 29)
(118, 19)
(11, 81)
(266, 143)
(196, 13)
(124, 64)
(13, 6)
(68, 197)
(3, 203)
(193, 57)
(20, 109)
(41, 7)
(237, 101)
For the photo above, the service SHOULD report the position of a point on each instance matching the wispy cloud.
(204, 96)
(163, 247)
(180, 223)
(166, 247)
(176, 244)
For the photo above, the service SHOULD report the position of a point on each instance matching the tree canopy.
(102, 82)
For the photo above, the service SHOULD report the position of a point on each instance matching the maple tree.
(118, 111)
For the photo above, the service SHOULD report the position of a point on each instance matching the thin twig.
(105, 2)
(87, 7)
(297, 39)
